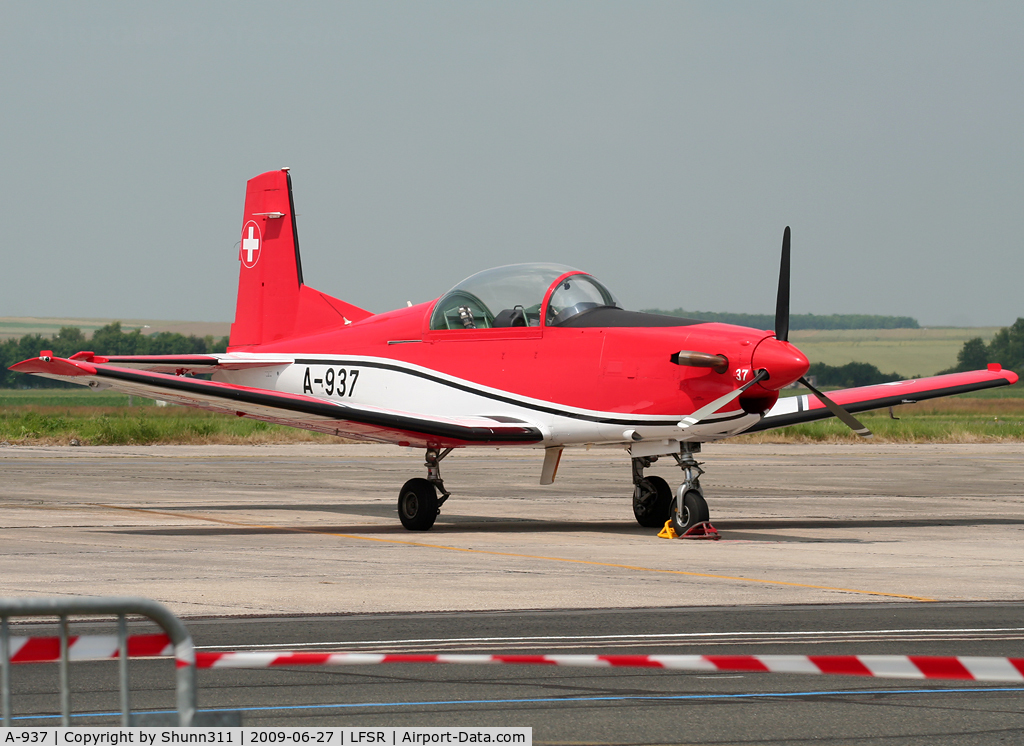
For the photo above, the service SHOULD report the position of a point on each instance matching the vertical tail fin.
(273, 303)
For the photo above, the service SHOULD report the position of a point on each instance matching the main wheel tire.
(652, 502)
(695, 510)
(417, 504)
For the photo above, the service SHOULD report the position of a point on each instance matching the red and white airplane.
(537, 355)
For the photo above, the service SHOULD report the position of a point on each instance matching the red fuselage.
(610, 369)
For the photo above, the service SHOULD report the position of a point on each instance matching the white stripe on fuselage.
(422, 392)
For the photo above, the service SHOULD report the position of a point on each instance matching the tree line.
(108, 340)
(798, 320)
(850, 375)
(1006, 348)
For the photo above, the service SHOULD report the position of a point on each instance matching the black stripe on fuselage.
(813, 415)
(510, 400)
(333, 411)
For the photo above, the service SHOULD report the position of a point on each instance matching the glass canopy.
(512, 296)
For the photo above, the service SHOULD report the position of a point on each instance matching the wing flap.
(807, 408)
(358, 422)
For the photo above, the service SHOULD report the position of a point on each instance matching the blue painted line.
(540, 700)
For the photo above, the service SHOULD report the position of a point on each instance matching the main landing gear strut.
(418, 502)
(653, 501)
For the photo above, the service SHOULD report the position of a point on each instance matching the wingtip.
(55, 366)
(1010, 376)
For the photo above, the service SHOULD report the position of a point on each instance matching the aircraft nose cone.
(784, 363)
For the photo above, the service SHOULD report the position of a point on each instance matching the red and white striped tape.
(970, 668)
(882, 666)
(86, 647)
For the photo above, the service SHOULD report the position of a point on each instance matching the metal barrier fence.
(184, 651)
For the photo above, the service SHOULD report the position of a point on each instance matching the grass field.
(909, 352)
(59, 416)
(971, 418)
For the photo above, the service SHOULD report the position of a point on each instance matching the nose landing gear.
(653, 501)
(418, 501)
(689, 508)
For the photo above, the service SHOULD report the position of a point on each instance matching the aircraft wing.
(807, 408)
(357, 422)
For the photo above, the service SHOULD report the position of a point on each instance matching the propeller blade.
(848, 419)
(717, 363)
(782, 301)
(692, 419)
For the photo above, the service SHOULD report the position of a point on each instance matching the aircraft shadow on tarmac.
(451, 524)
(739, 530)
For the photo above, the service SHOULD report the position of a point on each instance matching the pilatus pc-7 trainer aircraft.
(537, 355)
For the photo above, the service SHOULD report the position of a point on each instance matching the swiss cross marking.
(251, 243)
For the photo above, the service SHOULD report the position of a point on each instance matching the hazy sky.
(661, 146)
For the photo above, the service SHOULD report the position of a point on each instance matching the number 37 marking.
(341, 382)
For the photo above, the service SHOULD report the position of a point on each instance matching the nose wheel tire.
(652, 502)
(695, 510)
(417, 505)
